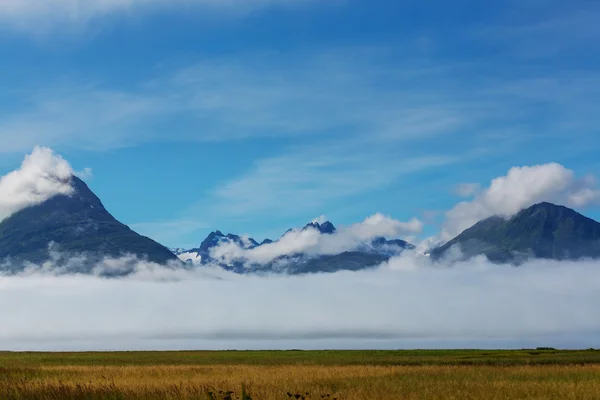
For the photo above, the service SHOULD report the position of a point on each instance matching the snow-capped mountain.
(362, 255)
(201, 254)
(187, 256)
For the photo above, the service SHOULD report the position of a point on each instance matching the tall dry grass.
(309, 382)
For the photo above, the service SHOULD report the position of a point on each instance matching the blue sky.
(255, 116)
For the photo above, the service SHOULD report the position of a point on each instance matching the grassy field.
(267, 375)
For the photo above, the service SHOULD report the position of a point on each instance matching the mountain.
(326, 228)
(365, 255)
(382, 244)
(346, 261)
(76, 224)
(201, 254)
(544, 230)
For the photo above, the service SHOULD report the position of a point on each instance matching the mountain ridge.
(369, 254)
(77, 224)
(544, 230)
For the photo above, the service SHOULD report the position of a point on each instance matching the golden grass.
(274, 382)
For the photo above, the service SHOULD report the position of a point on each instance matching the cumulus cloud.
(522, 187)
(42, 175)
(426, 245)
(312, 243)
(407, 302)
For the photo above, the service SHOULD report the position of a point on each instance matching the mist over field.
(409, 302)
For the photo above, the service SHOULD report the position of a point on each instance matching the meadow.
(270, 375)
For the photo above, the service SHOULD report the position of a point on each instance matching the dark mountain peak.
(82, 199)
(544, 207)
(81, 187)
(551, 206)
(211, 240)
(214, 238)
(245, 243)
(381, 241)
(544, 230)
(76, 223)
(311, 225)
(552, 211)
(325, 228)
(545, 204)
(364, 256)
(286, 232)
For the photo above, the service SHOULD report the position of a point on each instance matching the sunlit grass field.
(353, 375)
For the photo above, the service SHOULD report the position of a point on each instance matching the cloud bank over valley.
(406, 302)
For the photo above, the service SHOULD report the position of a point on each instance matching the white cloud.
(192, 257)
(522, 187)
(467, 189)
(42, 175)
(404, 303)
(426, 245)
(310, 180)
(42, 15)
(320, 219)
(86, 173)
(63, 116)
(381, 225)
(237, 98)
(312, 243)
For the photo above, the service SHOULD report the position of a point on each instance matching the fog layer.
(407, 302)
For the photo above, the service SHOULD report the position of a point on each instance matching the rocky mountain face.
(365, 255)
(544, 230)
(69, 227)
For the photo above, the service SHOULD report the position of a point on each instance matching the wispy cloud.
(263, 95)
(467, 189)
(334, 93)
(311, 179)
(548, 29)
(339, 93)
(37, 16)
(84, 117)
